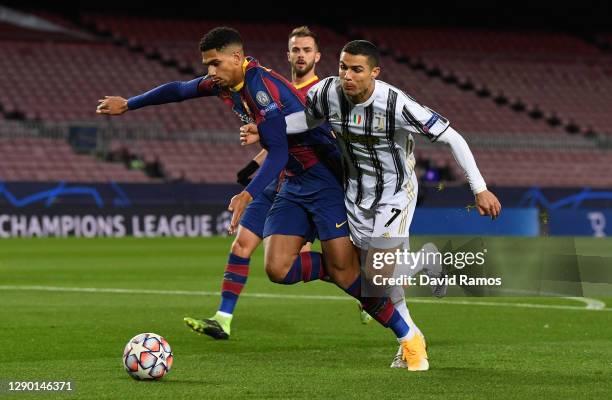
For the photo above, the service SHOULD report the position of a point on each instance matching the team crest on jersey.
(262, 98)
(379, 122)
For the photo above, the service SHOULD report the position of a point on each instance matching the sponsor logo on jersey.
(361, 139)
(269, 108)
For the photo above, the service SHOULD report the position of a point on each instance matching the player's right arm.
(299, 122)
(313, 114)
(171, 92)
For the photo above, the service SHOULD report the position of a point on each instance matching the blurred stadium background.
(528, 86)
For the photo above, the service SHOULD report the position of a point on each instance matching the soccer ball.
(147, 356)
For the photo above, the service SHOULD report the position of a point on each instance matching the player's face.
(356, 75)
(224, 67)
(302, 55)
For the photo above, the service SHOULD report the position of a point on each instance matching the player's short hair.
(219, 38)
(363, 48)
(304, 31)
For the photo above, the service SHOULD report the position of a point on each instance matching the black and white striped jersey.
(376, 136)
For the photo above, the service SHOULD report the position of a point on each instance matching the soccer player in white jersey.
(375, 123)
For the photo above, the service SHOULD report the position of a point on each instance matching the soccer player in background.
(312, 194)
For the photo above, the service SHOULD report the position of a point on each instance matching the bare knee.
(243, 246)
(342, 272)
(277, 268)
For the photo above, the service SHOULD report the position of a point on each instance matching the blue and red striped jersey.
(265, 95)
(265, 98)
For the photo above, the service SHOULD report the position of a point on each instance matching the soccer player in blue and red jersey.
(311, 196)
(303, 55)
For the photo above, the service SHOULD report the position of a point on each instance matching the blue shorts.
(254, 217)
(311, 201)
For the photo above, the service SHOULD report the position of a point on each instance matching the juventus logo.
(379, 122)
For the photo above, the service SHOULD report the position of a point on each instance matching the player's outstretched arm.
(168, 93)
(486, 202)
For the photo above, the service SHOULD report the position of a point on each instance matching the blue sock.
(308, 266)
(234, 279)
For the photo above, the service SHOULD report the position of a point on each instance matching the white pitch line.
(591, 304)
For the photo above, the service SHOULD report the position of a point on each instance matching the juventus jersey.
(376, 136)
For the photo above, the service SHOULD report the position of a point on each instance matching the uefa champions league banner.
(211, 220)
(91, 222)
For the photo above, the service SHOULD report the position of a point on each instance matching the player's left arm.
(272, 129)
(273, 135)
(486, 202)
(298, 122)
(420, 119)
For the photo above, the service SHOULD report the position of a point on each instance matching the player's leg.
(286, 230)
(342, 263)
(362, 224)
(290, 221)
(340, 253)
(248, 238)
(391, 222)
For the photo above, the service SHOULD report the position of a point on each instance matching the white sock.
(224, 314)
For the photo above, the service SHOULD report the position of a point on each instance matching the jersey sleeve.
(420, 119)
(263, 98)
(315, 113)
(173, 92)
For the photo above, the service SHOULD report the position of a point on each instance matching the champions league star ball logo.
(262, 98)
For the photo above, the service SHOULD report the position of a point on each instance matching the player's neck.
(298, 80)
(364, 96)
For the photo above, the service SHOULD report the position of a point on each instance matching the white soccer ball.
(147, 356)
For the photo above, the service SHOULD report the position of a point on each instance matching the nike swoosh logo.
(340, 225)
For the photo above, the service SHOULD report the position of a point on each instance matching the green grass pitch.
(281, 348)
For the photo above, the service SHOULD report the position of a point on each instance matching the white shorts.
(387, 224)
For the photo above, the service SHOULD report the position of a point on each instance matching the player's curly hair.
(219, 38)
(363, 48)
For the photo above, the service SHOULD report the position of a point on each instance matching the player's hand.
(237, 206)
(487, 204)
(112, 105)
(248, 134)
